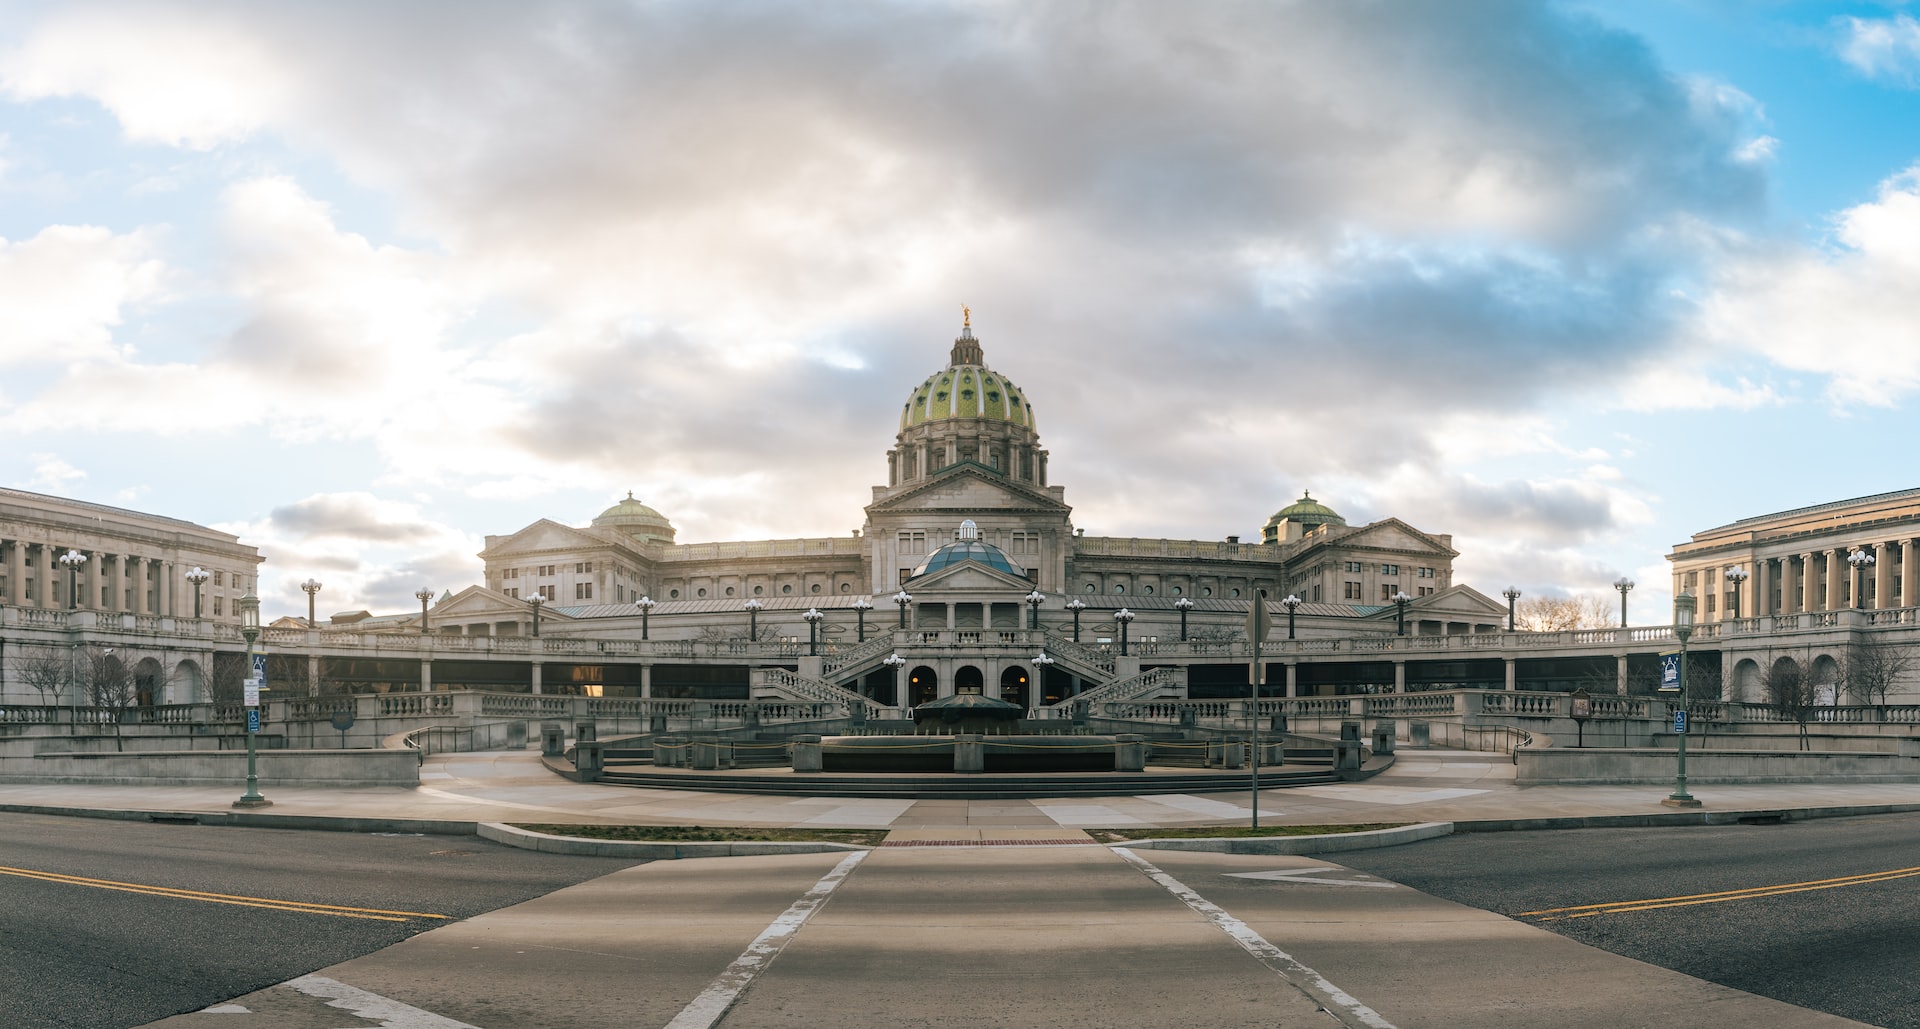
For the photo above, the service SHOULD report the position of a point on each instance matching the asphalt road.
(113, 951)
(1808, 932)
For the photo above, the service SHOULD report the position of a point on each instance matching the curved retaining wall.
(1567, 766)
(218, 768)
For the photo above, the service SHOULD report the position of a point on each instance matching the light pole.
(1041, 662)
(1292, 604)
(753, 607)
(198, 577)
(905, 600)
(812, 618)
(312, 586)
(249, 607)
(1683, 628)
(1034, 600)
(1183, 605)
(860, 609)
(1401, 600)
(895, 662)
(1121, 618)
(1512, 593)
(423, 594)
(1737, 576)
(1076, 605)
(72, 559)
(536, 600)
(1861, 560)
(645, 604)
(1623, 584)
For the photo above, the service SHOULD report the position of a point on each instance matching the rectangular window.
(1316, 594)
(220, 579)
(1352, 591)
(547, 592)
(1426, 573)
(513, 573)
(515, 594)
(913, 542)
(216, 611)
(1710, 599)
(905, 572)
(1355, 567)
(1389, 569)
(1386, 591)
(583, 591)
(1689, 580)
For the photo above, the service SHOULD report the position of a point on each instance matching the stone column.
(43, 575)
(1837, 570)
(1762, 589)
(1620, 674)
(1399, 677)
(16, 572)
(536, 677)
(1512, 679)
(1909, 573)
(1809, 584)
(313, 675)
(1293, 678)
(1883, 575)
(426, 674)
(646, 682)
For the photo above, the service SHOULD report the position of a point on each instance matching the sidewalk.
(1423, 786)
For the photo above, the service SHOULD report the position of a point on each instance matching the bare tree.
(1873, 666)
(1789, 690)
(1554, 614)
(48, 671)
(108, 683)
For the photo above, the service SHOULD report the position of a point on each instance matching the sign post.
(1259, 623)
(1581, 708)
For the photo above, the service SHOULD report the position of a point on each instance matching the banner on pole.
(1670, 672)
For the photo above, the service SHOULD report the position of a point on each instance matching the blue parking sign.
(1680, 722)
(253, 719)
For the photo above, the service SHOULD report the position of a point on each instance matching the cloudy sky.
(364, 282)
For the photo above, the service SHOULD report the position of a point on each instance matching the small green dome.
(1306, 512)
(636, 519)
(967, 388)
(967, 548)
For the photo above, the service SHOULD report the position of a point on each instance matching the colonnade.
(1822, 580)
(114, 583)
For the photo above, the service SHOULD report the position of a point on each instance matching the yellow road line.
(301, 907)
(1689, 900)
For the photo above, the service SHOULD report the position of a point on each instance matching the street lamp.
(1076, 605)
(73, 559)
(812, 618)
(1401, 600)
(1682, 628)
(904, 599)
(753, 607)
(1121, 618)
(1292, 604)
(1738, 577)
(645, 604)
(895, 662)
(1861, 560)
(860, 609)
(1512, 593)
(536, 600)
(1183, 605)
(1034, 600)
(423, 594)
(312, 586)
(249, 608)
(198, 576)
(1623, 584)
(1041, 662)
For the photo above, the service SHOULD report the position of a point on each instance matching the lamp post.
(249, 607)
(1183, 605)
(72, 559)
(536, 600)
(1401, 600)
(312, 586)
(1682, 628)
(197, 576)
(812, 618)
(1034, 600)
(423, 595)
(753, 607)
(1121, 618)
(645, 604)
(905, 600)
(1076, 605)
(1512, 593)
(1623, 584)
(895, 662)
(1041, 662)
(1737, 577)
(860, 609)
(1292, 604)
(1861, 559)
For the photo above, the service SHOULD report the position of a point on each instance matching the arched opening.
(1826, 680)
(187, 685)
(923, 685)
(1013, 685)
(969, 679)
(1744, 687)
(147, 683)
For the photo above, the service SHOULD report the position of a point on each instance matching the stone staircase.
(780, 684)
(1152, 684)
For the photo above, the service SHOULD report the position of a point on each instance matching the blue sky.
(365, 283)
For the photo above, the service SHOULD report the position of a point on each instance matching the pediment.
(969, 487)
(971, 577)
(477, 600)
(544, 535)
(1394, 535)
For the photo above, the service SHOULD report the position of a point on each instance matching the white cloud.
(64, 291)
(53, 475)
(1883, 48)
(367, 551)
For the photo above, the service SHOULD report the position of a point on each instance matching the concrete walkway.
(1423, 786)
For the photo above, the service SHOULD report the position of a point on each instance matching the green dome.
(636, 519)
(967, 548)
(967, 388)
(1306, 512)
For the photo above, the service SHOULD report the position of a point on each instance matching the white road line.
(1338, 1002)
(391, 1014)
(713, 1002)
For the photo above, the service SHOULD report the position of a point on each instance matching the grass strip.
(704, 834)
(1215, 832)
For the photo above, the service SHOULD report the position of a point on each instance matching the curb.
(500, 832)
(1668, 818)
(1329, 843)
(255, 819)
